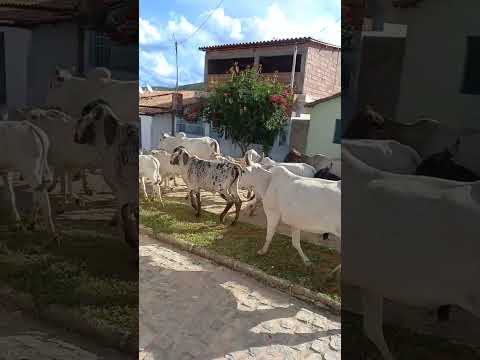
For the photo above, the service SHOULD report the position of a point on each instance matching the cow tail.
(44, 147)
(216, 146)
(234, 187)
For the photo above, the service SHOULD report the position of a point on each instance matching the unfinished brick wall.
(322, 72)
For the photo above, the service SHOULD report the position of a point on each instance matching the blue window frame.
(337, 136)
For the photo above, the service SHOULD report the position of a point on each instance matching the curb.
(66, 318)
(318, 299)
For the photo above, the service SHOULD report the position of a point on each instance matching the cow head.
(61, 75)
(93, 114)
(180, 156)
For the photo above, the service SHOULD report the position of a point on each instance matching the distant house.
(37, 38)
(156, 116)
(324, 129)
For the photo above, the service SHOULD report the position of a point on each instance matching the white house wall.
(17, 46)
(434, 62)
(52, 45)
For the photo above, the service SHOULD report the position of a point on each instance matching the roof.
(31, 12)
(159, 102)
(268, 43)
(321, 100)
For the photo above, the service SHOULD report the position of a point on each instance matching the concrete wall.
(299, 134)
(434, 62)
(17, 51)
(322, 128)
(322, 72)
(52, 45)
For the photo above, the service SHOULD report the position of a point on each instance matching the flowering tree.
(249, 109)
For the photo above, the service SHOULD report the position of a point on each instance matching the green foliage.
(249, 108)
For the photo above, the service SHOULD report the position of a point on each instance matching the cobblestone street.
(191, 308)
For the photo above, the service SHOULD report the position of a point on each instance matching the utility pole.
(294, 64)
(174, 97)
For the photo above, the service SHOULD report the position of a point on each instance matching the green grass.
(242, 242)
(403, 343)
(91, 272)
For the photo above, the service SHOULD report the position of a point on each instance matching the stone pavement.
(191, 308)
(22, 338)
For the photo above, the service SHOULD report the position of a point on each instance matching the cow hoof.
(261, 252)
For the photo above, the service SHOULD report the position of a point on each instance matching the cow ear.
(109, 129)
(184, 157)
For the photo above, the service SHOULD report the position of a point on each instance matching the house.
(317, 64)
(419, 72)
(316, 76)
(38, 36)
(324, 127)
(155, 109)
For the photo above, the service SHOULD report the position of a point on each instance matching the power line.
(203, 23)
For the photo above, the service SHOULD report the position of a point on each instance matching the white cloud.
(234, 26)
(183, 27)
(276, 24)
(148, 33)
(156, 63)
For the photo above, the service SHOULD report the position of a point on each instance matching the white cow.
(117, 144)
(72, 93)
(167, 170)
(300, 169)
(308, 204)
(65, 155)
(424, 236)
(204, 147)
(24, 149)
(149, 168)
(386, 155)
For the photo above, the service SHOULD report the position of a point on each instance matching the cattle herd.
(412, 206)
(285, 189)
(79, 128)
(389, 167)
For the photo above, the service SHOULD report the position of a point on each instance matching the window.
(3, 82)
(282, 63)
(104, 53)
(337, 136)
(221, 66)
(471, 77)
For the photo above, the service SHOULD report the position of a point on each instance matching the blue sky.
(234, 21)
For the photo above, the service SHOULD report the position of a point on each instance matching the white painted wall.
(52, 45)
(17, 51)
(146, 132)
(434, 62)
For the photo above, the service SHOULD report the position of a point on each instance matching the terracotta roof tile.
(278, 42)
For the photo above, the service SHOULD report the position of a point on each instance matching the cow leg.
(296, 244)
(192, 200)
(44, 202)
(85, 187)
(373, 322)
(159, 190)
(55, 181)
(225, 211)
(199, 204)
(255, 205)
(272, 221)
(8, 181)
(144, 189)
